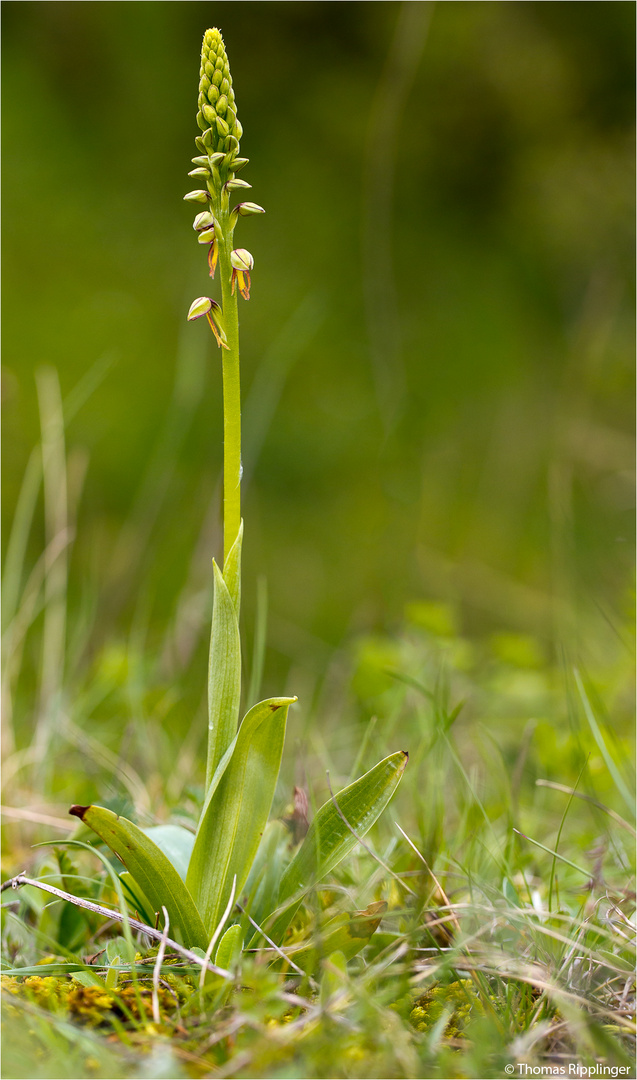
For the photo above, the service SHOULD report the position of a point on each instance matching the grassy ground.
(505, 863)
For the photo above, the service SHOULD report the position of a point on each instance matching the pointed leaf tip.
(79, 811)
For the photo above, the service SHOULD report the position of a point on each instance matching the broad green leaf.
(229, 948)
(329, 839)
(139, 903)
(151, 869)
(230, 828)
(232, 571)
(333, 978)
(89, 978)
(347, 934)
(112, 973)
(262, 886)
(224, 674)
(175, 842)
(118, 949)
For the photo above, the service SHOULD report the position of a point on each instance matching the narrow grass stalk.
(55, 583)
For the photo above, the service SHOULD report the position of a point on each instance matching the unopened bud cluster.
(215, 166)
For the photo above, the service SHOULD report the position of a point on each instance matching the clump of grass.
(495, 947)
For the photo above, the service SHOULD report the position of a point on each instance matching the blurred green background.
(437, 356)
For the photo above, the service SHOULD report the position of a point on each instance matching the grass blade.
(621, 786)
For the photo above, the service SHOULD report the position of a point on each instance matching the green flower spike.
(215, 164)
(217, 115)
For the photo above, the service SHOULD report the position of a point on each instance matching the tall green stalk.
(217, 165)
(231, 409)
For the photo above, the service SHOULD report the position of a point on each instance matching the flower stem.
(231, 398)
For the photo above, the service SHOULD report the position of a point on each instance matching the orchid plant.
(197, 883)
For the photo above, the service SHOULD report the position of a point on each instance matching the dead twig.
(108, 913)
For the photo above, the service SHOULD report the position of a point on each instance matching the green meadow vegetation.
(395, 538)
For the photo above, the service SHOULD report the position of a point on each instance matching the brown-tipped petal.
(243, 281)
(213, 255)
(218, 332)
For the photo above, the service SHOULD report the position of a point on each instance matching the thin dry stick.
(158, 962)
(22, 814)
(271, 942)
(366, 846)
(430, 871)
(220, 926)
(150, 931)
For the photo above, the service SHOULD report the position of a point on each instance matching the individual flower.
(204, 305)
(242, 263)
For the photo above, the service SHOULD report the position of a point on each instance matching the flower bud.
(197, 196)
(201, 171)
(235, 185)
(222, 127)
(214, 159)
(207, 236)
(202, 160)
(239, 163)
(245, 209)
(204, 220)
(201, 306)
(241, 259)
